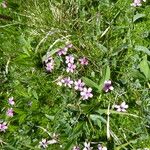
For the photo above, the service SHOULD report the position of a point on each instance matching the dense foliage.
(74, 71)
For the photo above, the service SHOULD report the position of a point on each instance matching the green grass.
(112, 37)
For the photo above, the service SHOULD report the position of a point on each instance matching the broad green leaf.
(142, 49)
(90, 83)
(144, 67)
(137, 74)
(102, 48)
(138, 16)
(22, 118)
(95, 117)
(50, 117)
(35, 94)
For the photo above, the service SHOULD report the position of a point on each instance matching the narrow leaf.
(144, 68)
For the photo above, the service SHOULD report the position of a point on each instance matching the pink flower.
(10, 112)
(4, 4)
(108, 86)
(49, 64)
(67, 82)
(69, 59)
(43, 143)
(83, 61)
(3, 127)
(11, 101)
(101, 148)
(62, 51)
(122, 107)
(79, 85)
(71, 67)
(49, 67)
(86, 93)
(69, 45)
(87, 146)
(137, 3)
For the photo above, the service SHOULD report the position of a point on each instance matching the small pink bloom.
(43, 143)
(99, 147)
(87, 146)
(49, 64)
(83, 61)
(10, 112)
(67, 82)
(11, 101)
(69, 45)
(4, 4)
(86, 93)
(49, 67)
(62, 51)
(69, 59)
(122, 107)
(71, 68)
(79, 85)
(3, 127)
(137, 3)
(108, 86)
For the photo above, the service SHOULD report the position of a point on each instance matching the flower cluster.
(108, 87)
(70, 64)
(85, 92)
(137, 3)
(70, 60)
(10, 111)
